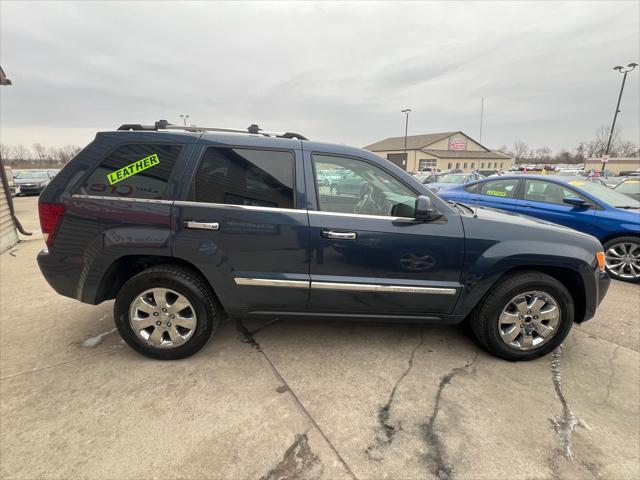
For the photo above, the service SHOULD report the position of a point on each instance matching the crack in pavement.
(566, 424)
(247, 337)
(387, 429)
(612, 374)
(442, 470)
(298, 462)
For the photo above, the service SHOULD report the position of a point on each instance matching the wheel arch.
(125, 267)
(613, 236)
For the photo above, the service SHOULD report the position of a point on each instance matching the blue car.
(611, 217)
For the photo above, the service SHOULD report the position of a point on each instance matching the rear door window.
(242, 176)
(133, 171)
(500, 188)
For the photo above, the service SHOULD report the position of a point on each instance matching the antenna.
(481, 114)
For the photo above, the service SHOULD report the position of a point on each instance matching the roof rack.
(251, 129)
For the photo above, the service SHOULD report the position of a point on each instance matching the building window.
(239, 176)
(500, 165)
(449, 166)
(465, 165)
(457, 164)
(482, 166)
(473, 164)
(495, 164)
(427, 163)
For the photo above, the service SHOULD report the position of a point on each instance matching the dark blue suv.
(181, 224)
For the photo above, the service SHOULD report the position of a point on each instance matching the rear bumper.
(59, 273)
(596, 288)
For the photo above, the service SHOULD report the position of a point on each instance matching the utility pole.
(481, 114)
(620, 69)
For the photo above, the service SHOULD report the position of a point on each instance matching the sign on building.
(457, 143)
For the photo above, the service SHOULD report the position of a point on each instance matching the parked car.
(423, 174)
(180, 227)
(452, 179)
(610, 216)
(13, 187)
(432, 178)
(630, 186)
(32, 181)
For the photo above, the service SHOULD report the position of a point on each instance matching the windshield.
(630, 186)
(607, 195)
(27, 174)
(453, 178)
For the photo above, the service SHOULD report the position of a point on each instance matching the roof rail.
(251, 129)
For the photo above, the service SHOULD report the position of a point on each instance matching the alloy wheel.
(529, 320)
(162, 318)
(623, 260)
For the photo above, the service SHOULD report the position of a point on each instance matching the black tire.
(484, 319)
(182, 281)
(611, 243)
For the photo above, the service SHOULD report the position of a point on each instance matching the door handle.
(339, 235)
(202, 225)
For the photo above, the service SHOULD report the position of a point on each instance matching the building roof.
(414, 142)
(464, 154)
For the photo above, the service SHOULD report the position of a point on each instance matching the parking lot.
(306, 400)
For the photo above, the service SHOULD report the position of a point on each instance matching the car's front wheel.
(525, 316)
(166, 312)
(622, 257)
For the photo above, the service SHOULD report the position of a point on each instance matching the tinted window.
(347, 185)
(238, 176)
(133, 171)
(500, 188)
(548, 192)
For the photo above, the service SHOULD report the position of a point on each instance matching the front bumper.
(26, 189)
(596, 288)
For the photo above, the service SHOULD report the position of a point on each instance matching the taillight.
(50, 218)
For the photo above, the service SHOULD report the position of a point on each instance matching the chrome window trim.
(359, 215)
(368, 287)
(122, 199)
(188, 203)
(270, 282)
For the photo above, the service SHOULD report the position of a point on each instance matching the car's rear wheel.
(622, 258)
(525, 316)
(166, 312)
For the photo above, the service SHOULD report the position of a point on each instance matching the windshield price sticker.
(133, 169)
(496, 193)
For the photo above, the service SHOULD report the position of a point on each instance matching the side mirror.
(423, 210)
(576, 202)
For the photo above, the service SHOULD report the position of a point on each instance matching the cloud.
(335, 72)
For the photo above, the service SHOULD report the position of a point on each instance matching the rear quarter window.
(133, 171)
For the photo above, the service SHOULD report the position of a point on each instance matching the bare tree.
(520, 150)
(21, 153)
(6, 152)
(627, 149)
(40, 151)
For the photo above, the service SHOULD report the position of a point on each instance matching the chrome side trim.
(369, 287)
(238, 207)
(268, 282)
(122, 199)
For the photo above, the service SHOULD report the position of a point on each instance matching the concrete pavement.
(306, 400)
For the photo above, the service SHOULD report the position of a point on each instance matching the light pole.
(624, 70)
(184, 119)
(406, 128)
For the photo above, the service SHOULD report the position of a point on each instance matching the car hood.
(435, 186)
(522, 221)
(20, 181)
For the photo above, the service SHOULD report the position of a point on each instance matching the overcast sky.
(333, 72)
